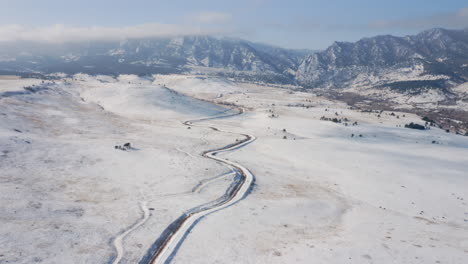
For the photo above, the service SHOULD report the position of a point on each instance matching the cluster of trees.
(380, 112)
(415, 126)
(339, 121)
(334, 120)
(299, 105)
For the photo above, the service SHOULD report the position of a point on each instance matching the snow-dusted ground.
(321, 196)
(66, 193)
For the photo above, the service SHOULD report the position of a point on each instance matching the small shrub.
(427, 119)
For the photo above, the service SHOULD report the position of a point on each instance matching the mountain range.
(436, 57)
(148, 56)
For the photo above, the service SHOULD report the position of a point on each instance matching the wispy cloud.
(458, 19)
(210, 17)
(62, 33)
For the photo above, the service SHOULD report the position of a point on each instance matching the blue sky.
(312, 24)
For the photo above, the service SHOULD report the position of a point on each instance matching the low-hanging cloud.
(62, 33)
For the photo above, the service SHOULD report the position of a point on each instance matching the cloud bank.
(65, 34)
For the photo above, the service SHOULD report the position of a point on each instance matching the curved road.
(165, 247)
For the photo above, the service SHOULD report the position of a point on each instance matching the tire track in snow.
(203, 183)
(119, 239)
(200, 185)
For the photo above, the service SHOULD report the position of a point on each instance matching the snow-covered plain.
(387, 194)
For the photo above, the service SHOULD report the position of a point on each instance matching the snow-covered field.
(374, 192)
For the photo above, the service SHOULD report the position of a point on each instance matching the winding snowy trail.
(118, 240)
(166, 246)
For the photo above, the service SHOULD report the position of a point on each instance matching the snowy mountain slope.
(436, 54)
(146, 56)
(410, 71)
